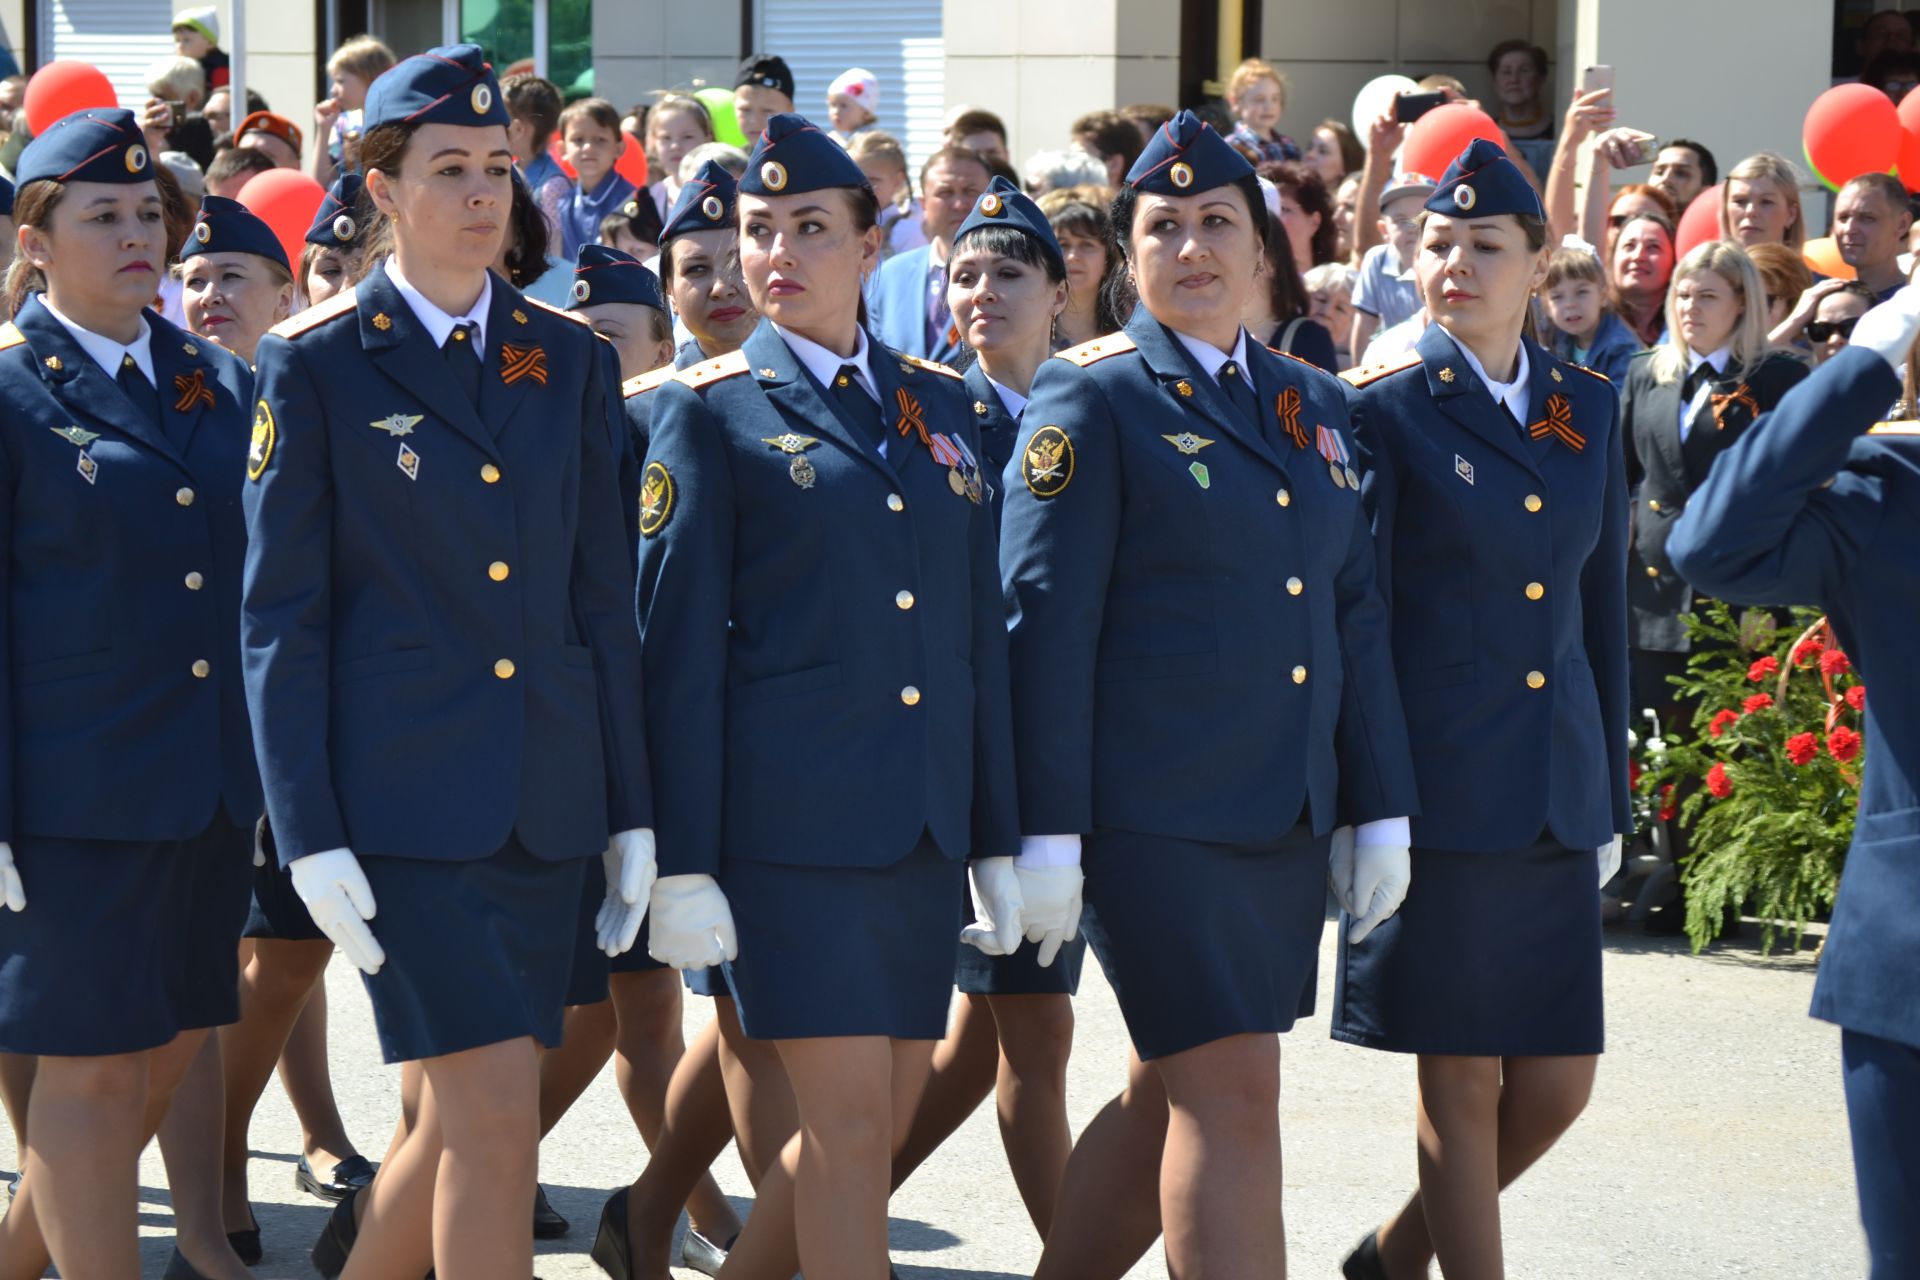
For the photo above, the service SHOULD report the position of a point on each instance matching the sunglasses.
(1821, 330)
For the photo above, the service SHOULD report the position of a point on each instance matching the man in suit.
(1817, 503)
(908, 299)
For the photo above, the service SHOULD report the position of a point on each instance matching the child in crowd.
(634, 228)
(1330, 305)
(675, 126)
(350, 72)
(1257, 96)
(591, 140)
(853, 103)
(534, 105)
(881, 158)
(171, 119)
(196, 35)
(1581, 326)
(1385, 294)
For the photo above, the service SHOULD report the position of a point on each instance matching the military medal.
(1339, 465)
(792, 443)
(801, 472)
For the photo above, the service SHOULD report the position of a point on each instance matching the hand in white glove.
(1609, 857)
(340, 901)
(1340, 868)
(630, 872)
(1888, 330)
(997, 906)
(260, 842)
(15, 893)
(692, 923)
(1051, 906)
(1381, 875)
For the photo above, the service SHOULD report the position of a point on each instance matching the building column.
(641, 46)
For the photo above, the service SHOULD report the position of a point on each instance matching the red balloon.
(560, 156)
(1909, 115)
(1699, 224)
(62, 88)
(632, 164)
(1851, 129)
(286, 200)
(1436, 138)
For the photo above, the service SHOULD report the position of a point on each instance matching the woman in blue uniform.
(825, 643)
(442, 669)
(129, 793)
(1495, 479)
(1006, 285)
(1187, 562)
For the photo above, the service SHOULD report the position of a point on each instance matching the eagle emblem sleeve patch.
(656, 499)
(1046, 464)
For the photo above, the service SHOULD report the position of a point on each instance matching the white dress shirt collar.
(824, 365)
(438, 323)
(1209, 357)
(1013, 401)
(1511, 394)
(104, 350)
(1718, 359)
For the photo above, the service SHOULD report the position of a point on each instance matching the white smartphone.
(1599, 76)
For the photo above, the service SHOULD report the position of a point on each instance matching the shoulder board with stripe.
(10, 335)
(1591, 373)
(1894, 429)
(1113, 344)
(1288, 355)
(931, 366)
(641, 383)
(1375, 372)
(550, 309)
(709, 371)
(339, 304)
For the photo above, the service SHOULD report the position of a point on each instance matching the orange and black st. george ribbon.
(522, 362)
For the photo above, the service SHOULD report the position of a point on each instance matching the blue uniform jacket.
(438, 620)
(825, 648)
(1198, 647)
(999, 433)
(897, 304)
(122, 715)
(1503, 563)
(1806, 509)
(637, 394)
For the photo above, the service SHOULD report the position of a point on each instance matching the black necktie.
(463, 358)
(136, 388)
(1233, 381)
(1701, 373)
(860, 407)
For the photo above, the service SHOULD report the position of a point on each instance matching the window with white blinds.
(121, 37)
(898, 40)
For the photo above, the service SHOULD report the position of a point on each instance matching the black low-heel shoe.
(697, 1253)
(178, 1268)
(547, 1222)
(246, 1244)
(1364, 1262)
(336, 1241)
(348, 1176)
(612, 1251)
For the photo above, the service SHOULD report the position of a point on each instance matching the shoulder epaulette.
(318, 314)
(709, 371)
(1591, 373)
(641, 383)
(10, 335)
(1113, 344)
(1894, 429)
(931, 366)
(574, 316)
(1375, 372)
(1288, 355)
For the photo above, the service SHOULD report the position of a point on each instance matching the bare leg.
(488, 1104)
(586, 1042)
(1107, 1214)
(963, 1073)
(276, 979)
(1036, 1037)
(305, 1076)
(85, 1120)
(16, 1083)
(1220, 1184)
(1459, 1134)
(395, 1214)
(758, 1093)
(191, 1144)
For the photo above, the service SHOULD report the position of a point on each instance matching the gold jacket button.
(1299, 675)
(498, 571)
(1535, 680)
(1284, 498)
(1653, 504)
(910, 696)
(1652, 572)
(896, 503)
(1295, 586)
(904, 600)
(201, 669)
(1535, 591)
(1532, 502)
(490, 474)
(504, 668)
(195, 582)
(184, 497)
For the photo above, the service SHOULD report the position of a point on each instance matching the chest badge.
(963, 471)
(398, 424)
(1188, 443)
(1200, 474)
(791, 442)
(74, 435)
(801, 471)
(1333, 447)
(1463, 468)
(89, 469)
(408, 461)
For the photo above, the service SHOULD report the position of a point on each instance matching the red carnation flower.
(1718, 784)
(1843, 744)
(1806, 651)
(1802, 748)
(1757, 702)
(1666, 802)
(1834, 663)
(1633, 774)
(1767, 666)
(1722, 720)
(1857, 697)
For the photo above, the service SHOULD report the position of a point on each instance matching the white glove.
(630, 872)
(1609, 856)
(692, 923)
(1888, 330)
(16, 894)
(1051, 910)
(340, 901)
(260, 842)
(998, 903)
(1381, 875)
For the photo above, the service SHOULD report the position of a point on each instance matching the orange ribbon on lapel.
(1741, 394)
(1559, 424)
(1287, 405)
(193, 390)
(522, 362)
(912, 416)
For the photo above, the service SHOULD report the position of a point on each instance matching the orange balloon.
(1699, 224)
(1909, 116)
(632, 164)
(1823, 256)
(560, 156)
(62, 88)
(286, 200)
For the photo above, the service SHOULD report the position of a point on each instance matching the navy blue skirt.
(975, 973)
(276, 911)
(1247, 961)
(124, 944)
(1491, 955)
(885, 967)
(709, 982)
(477, 952)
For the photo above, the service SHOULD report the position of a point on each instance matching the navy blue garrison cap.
(450, 85)
(1186, 156)
(336, 223)
(793, 156)
(100, 144)
(705, 203)
(6, 198)
(613, 275)
(1482, 182)
(227, 226)
(1005, 205)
